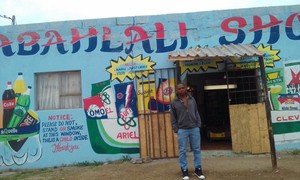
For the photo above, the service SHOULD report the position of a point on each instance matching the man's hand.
(175, 130)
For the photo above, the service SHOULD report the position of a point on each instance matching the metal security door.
(155, 92)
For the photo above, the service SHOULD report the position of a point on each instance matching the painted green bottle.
(21, 109)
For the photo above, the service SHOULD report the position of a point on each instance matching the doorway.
(213, 108)
(215, 93)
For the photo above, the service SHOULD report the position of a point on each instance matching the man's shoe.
(185, 174)
(199, 174)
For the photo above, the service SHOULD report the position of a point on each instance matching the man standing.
(186, 123)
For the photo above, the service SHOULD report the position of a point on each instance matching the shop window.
(58, 90)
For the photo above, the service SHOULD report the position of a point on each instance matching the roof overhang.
(222, 52)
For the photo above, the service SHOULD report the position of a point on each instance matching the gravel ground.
(216, 165)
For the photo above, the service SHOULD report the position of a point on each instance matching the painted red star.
(295, 79)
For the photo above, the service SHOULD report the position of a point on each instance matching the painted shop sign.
(31, 43)
(285, 122)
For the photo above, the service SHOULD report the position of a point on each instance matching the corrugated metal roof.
(231, 50)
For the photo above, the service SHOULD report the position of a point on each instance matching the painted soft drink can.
(30, 119)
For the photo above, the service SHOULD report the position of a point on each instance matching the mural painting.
(20, 142)
(112, 118)
(286, 129)
(76, 88)
(285, 101)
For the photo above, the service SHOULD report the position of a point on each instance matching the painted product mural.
(72, 91)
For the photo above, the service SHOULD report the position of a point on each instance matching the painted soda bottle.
(8, 104)
(21, 109)
(30, 119)
(19, 85)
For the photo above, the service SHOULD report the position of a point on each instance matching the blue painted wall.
(100, 47)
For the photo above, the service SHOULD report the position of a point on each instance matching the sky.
(40, 11)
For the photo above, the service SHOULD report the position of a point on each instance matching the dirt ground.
(215, 167)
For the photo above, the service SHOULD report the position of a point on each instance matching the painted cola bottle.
(8, 104)
(21, 109)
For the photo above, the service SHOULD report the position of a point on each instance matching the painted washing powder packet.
(94, 108)
(107, 97)
(126, 100)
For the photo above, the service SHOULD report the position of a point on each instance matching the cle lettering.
(288, 118)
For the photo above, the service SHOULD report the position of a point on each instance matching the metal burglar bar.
(155, 92)
(251, 93)
(248, 83)
(248, 104)
(249, 108)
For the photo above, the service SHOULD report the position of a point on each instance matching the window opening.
(58, 90)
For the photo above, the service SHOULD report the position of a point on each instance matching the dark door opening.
(212, 92)
(216, 123)
(213, 108)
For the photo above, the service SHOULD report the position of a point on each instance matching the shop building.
(100, 89)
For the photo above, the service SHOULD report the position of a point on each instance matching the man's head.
(180, 89)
